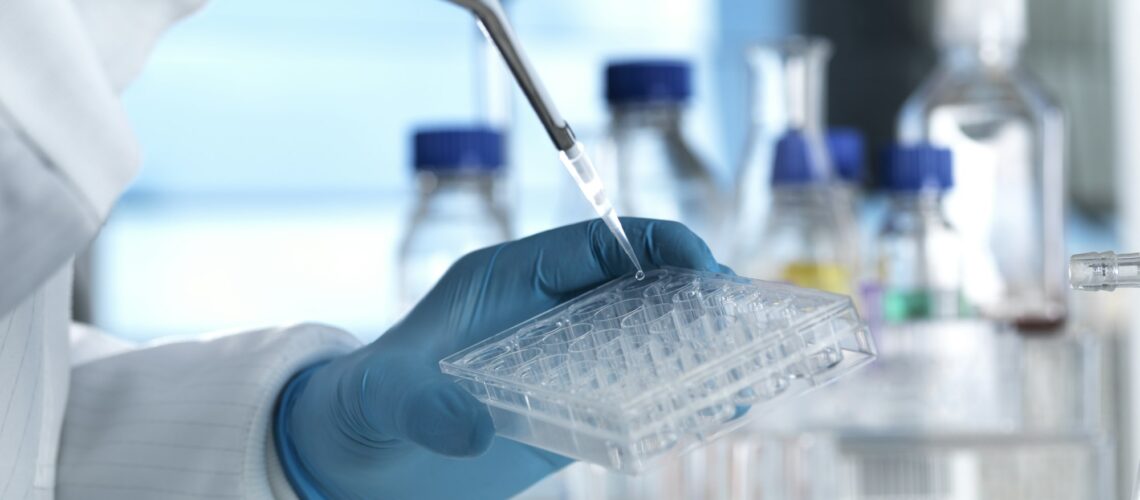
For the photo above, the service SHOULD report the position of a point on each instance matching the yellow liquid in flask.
(825, 276)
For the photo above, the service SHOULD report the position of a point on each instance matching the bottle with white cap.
(1007, 139)
(459, 209)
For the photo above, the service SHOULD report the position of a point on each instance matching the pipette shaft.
(494, 24)
(573, 155)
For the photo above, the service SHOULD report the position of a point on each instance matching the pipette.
(494, 24)
(1104, 271)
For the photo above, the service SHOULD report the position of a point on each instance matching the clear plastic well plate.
(634, 370)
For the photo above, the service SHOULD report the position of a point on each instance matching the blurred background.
(937, 160)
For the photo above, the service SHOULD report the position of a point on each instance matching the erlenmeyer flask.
(791, 223)
(787, 94)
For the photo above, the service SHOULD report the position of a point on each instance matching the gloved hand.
(383, 422)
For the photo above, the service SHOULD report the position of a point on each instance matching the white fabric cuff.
(185, 419)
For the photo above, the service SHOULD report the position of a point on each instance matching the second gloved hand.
(383, 422)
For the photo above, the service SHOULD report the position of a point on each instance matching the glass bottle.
(458, 210)
(658, 174)
(1007, 138)
(920, 252)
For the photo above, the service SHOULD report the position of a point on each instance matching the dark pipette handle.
(495, 26)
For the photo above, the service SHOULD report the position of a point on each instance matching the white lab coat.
(179, 420)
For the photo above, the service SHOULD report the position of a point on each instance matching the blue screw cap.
(458, 148)
(848, 151)
(918, 167)
(642, 81)
(794, 161)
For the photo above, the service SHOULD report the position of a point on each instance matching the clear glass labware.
(1007, 137)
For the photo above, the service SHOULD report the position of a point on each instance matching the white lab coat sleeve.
(43, 220)
(186, 419)
(66, 150)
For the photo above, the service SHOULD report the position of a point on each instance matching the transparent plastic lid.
(635, 370)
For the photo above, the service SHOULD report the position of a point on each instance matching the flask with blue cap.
(788, 94)
(459, 208)
(805, 241)
(920, 252)
(655, 170)
(847, 148)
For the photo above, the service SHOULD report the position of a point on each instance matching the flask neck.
(663, 115)
(926, 201)
(788, 85)
(443, 191)
(981, 32)
(994, 55)
(805, 195)
(924, 205)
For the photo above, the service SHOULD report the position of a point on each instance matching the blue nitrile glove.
(383, 422)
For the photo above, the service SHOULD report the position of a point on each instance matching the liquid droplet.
(639, 275)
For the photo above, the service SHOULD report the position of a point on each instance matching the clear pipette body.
(578, 163)
(494, 23)
(1104, 271)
